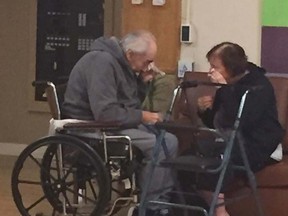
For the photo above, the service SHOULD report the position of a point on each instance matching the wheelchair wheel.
(60, 175)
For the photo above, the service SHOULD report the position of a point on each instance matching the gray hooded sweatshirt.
(103, 87)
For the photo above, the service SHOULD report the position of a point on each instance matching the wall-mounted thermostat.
(186, 33)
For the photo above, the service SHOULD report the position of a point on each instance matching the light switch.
(136, 1)
(158, 2)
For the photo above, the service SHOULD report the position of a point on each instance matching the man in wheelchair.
(109, 84)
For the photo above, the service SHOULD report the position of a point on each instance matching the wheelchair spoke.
(35, 160)
(70, 183)
(82, 179)
(87, 178)
(82, 196)
(93, 189)
(41, 167)
(54, 213)
(66, 199)
(36, 203)
(29, 182)
(57, 164)
(116, 191)
(68, 172)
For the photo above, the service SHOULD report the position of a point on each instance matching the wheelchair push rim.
(44, 182)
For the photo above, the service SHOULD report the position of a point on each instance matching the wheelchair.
(81, 169)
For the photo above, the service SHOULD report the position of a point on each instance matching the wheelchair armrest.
(170, 125)
(192, 163)
(112, 125)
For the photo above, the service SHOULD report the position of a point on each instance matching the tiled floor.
(7, 206)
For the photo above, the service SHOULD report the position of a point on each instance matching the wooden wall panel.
(163, 22)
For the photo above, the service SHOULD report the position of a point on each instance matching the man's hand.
(147, 75)
(151, 117)
(204, 103)
(150, 72)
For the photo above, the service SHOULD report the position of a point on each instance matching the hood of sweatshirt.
(112, 46)
(254, 68)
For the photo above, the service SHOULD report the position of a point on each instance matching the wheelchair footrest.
(192, 163)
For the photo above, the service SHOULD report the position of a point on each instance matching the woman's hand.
(204, 103)
(216, 77)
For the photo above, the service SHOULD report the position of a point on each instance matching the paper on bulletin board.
(183, 66)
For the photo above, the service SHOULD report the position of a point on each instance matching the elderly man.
(108, 84)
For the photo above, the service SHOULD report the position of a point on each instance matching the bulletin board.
(163, 21)
(65, 31)
(274, 44)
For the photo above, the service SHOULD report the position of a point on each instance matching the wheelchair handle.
(45, 83)
(40, 82)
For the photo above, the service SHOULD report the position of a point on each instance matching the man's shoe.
(158, 212)
(149, 212)
(163, 212)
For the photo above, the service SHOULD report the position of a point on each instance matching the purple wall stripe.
(274, 49)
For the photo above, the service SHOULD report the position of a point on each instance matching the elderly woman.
(259, 127)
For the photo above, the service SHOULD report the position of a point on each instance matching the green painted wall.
(275, 13)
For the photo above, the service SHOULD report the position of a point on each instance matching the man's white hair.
(137, 41)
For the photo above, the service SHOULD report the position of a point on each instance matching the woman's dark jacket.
(259, 126)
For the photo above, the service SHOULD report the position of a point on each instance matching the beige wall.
(112, 18)
(17, 59)
(222, 20)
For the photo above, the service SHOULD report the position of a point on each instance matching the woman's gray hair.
(137, 41)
